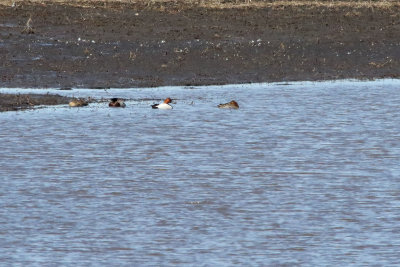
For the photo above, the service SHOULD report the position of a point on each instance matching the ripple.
(303, 173)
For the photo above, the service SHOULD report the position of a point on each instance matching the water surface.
(306, 173)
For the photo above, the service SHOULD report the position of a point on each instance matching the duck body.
(161, 106)
(233, 105)
(164, 105)
(117, 103)
(78, 103)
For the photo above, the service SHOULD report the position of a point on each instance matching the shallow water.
(306, 173)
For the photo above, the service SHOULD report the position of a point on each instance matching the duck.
(78, 103)
(116, 102)
(164, 105)
(233, 104)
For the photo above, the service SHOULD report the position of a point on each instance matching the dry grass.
(28, 27)
(383, 4)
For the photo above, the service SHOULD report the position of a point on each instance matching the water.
(301, 174)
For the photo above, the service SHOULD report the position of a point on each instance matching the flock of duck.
(118, 102)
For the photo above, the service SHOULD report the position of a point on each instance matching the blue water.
(302, 174)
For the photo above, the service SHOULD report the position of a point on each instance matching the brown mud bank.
(13, 102)
(118, 44)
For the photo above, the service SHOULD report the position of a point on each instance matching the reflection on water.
(305, 173)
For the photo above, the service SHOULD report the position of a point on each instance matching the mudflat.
(101, 44)
(11, 102)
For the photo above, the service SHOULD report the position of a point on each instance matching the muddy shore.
(115, 44)
(11, 102)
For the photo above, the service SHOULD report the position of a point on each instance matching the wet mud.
(14, 102)
(114, 44)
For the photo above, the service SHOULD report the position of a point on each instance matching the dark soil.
(133, 45)
(25, 101)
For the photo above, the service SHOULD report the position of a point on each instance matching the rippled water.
(306, 173)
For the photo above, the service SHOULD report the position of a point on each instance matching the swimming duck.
(115, 102)
(78, 103)
(164, 105)
(233, 104)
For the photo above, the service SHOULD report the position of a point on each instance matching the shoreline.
(114, 44)
(16, 99)
(45, 90)
(16, 102)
